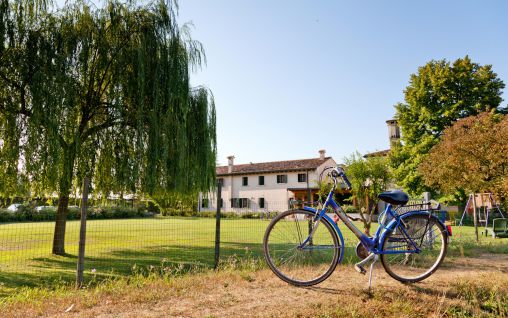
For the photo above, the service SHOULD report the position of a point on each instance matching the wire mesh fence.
(121, 246)
(118, 246)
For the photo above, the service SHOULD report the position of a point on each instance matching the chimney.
(231, 160)
(322, 153)
(393, 130)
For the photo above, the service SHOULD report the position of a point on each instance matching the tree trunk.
(366, 223)
(61, 220)
(366, 229)
(63, 202)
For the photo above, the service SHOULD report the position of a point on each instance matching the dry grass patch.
(462, 288)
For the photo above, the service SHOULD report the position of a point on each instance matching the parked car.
(14, 207)
(43, 207)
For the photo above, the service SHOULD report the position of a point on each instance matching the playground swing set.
(483, 210)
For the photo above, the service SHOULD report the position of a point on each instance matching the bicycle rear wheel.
(293, 260)
(428, 234)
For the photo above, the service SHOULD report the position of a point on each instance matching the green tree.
(438, 95)
(101, 92)
(471, 156)
(369, 177)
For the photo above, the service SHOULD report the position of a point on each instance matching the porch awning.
(303, 189)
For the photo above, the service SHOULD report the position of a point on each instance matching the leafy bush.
(173, 212)
(350, 209)
(250, 215)
(27, 213)
(234, 215)
(205, 214)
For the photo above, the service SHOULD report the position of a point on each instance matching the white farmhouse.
(266, 186)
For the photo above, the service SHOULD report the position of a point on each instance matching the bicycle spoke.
(299, 231)
(404, 262)
(293, 261)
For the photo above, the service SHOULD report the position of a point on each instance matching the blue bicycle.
(303, 247)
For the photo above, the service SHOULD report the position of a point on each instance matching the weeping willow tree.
(104, 93)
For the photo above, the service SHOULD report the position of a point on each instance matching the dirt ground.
(452, 289)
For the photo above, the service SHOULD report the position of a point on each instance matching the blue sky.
(292, 77)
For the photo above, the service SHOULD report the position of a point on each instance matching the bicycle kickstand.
(359, 266)
(372, 269)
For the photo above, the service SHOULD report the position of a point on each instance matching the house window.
(282, 178)
(261, 180)
(205, 203)
(221, 182)
(240, 203)
(245, 181)
(302, 177)
(261, 203)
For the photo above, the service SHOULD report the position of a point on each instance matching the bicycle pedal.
(360, 269)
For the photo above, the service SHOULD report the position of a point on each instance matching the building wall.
(276, 195)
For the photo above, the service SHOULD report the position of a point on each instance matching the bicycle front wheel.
(293, 255)
(422, 231)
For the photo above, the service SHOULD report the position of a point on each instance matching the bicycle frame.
(373, 245)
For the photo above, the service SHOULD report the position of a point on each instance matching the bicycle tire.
(407, 270)
(324, 228)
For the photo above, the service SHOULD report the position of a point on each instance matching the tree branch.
(95, 129)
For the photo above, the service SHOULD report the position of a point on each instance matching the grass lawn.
(115, 246)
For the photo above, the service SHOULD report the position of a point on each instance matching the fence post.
(82, 234)
(217, 225)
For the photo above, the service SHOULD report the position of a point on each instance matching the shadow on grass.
(10, 281)
(57, 270)
(256, 251)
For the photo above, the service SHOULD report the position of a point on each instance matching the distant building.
(266, 186)
(393, 136)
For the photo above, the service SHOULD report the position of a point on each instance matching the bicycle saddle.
(394, 197)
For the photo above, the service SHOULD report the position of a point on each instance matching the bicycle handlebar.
(339, 173)
(346, 181)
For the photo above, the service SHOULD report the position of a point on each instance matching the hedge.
(29, 214)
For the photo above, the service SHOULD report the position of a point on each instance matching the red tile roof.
(275, 166)
(382, 153)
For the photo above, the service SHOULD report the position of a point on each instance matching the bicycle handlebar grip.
(346, 181)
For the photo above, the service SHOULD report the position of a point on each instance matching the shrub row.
(27, 213)
(224, 215)
(234, 215)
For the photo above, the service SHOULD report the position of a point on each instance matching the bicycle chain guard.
(361, 251)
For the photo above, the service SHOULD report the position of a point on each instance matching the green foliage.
(368, 177)
(173, 212)
(223, 215)
(176, 203)
(324, 186)
(104, 93)
(350, 209)
(438, 95)
(470, 156)
(29, 214)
